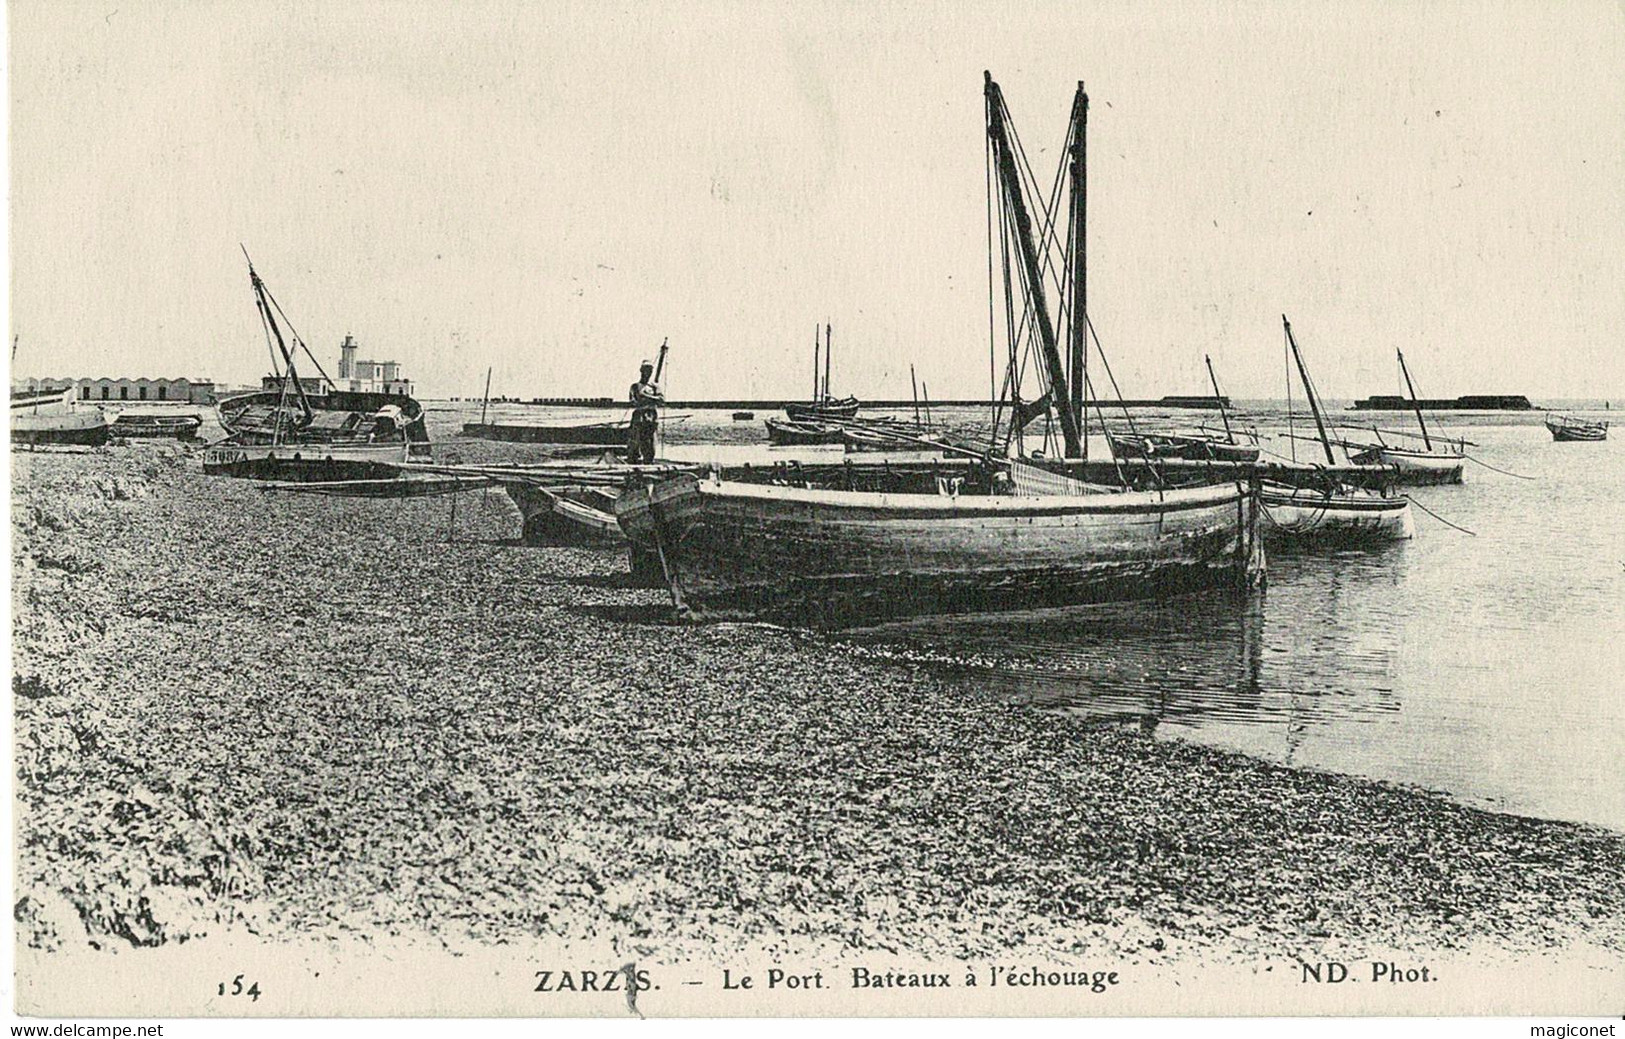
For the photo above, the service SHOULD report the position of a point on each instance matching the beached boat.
(318, 433)
(152, 425)
(566, 515)
(1004, 534)
(1323, 511)
(838, 557)
(789, 433)
(590, 432)
(1568, 429)
(56, 417)
(1436, 460)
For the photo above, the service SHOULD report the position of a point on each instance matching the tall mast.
(1414, 402)
(828, 351)
(815, 363)
(484, 403)
(289, 375)
(1309, 391)
(1033, 274)
(1219, 397)
(1078, 370)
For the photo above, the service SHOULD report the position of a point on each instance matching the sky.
(551, 189)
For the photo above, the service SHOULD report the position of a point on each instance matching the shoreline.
(303, 717)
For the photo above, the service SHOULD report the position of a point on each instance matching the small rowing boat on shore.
(589, 432)
(790, 433)
(1568, 429)
(148, 425)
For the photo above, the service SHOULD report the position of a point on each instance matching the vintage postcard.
(451, 575)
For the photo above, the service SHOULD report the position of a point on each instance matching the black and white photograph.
(451, 574)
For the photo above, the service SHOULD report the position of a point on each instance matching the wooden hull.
(1188, 448)
(1415, 468)
(1571, 432)
(578, 516)
(802, 434)
(598, 434)
(823, 409)
(56, 419)
(836, 558)
(235, 411)
(306, 463)
(1296, 515)
(145, 427)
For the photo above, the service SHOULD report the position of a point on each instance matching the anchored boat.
(1437, 460)
(1568, 429)
(1325, 511)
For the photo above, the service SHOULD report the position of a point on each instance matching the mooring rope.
(1503, 472)
(1438, 517)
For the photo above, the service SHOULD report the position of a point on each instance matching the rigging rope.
(1503, 472)
(1438, 517)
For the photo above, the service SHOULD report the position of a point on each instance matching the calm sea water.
(1490, 668)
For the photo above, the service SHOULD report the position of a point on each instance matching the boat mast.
(1078, 371)
(1414, 402)
(815, 363)
(1219, 398)
(289, 375)
(828, 351)
(1309, 391)
(1032, 272)
(484, 403)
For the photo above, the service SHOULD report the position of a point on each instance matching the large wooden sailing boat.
(298, 432)
(1330, 511)
(1006, 533)
(1436, 460)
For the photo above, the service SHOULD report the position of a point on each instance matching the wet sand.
(297, 717)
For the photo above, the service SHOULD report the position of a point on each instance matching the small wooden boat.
(307, 462)
(823, 409)
(1568, 429)
(566, 515)
(406, 486)
(789, 433)
(145, 426)
(591, 432)
(56, 417)
(1338, 515)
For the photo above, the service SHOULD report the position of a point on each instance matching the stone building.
(126, 390)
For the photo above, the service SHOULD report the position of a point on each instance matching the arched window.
(123, 393)
(163, 392)
(143, 392)
(104, 392)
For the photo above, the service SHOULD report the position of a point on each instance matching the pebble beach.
(291, 716)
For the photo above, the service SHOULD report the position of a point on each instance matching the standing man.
(646, 402)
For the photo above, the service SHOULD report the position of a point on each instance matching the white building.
(369, 376)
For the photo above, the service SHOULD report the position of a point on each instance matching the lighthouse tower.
(347, 357)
